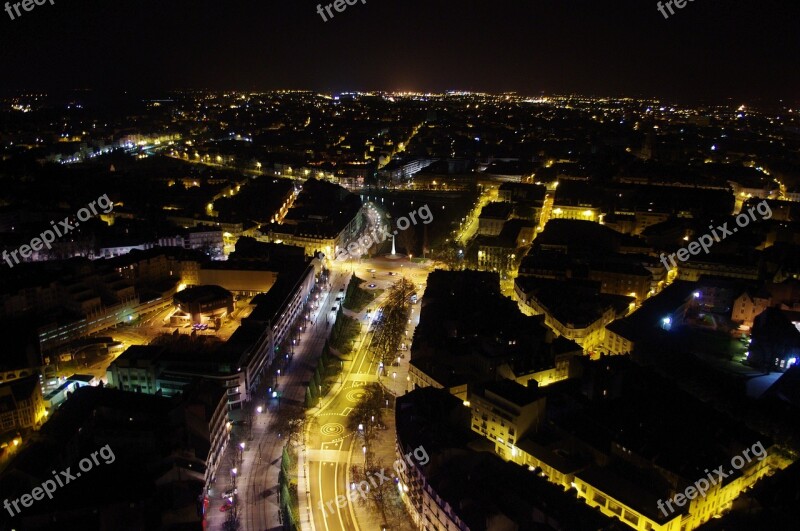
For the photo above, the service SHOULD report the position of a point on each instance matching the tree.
(408, 240)
(394, 319)
(384, 495)
(368, 413)
(289, 422)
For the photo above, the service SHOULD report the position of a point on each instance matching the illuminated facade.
(615, 340)
(21, 404)
(579, 318)
(749, 305)
(505, 411)
(581, 213)
(600, 486)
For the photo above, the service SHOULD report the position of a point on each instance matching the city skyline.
(702, 52)
(412, 265)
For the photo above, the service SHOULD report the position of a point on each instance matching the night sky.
(711, 49)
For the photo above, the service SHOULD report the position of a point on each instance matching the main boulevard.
(329, 449)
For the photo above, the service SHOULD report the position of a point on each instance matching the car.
(392, 273)
(371, 270)
(335, 309)
(225, 507)
(230, 492)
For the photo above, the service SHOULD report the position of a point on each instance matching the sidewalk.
(258, 466)
(366, 515)
(303, 491)
(395, 379)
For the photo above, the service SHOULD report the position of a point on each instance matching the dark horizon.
(707, 51)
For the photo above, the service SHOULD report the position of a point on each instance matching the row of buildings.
(168, 407)
(587, 428)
